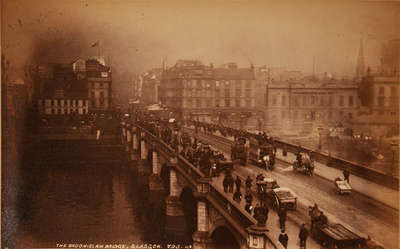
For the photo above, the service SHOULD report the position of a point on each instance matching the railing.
(232, 212)
(339, 163)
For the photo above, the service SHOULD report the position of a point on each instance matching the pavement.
(356, 211)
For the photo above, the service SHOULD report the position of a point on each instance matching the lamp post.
(320, 135)
(393, 146)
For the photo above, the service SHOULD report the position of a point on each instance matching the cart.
(342, 186)
(306, 166)
(265, 187)
(284, 197)
(333, 235)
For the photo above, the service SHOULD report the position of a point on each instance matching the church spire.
(360, 61)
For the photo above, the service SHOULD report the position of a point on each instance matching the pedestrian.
(283, 238)
(282, 217)
(248, 197)
(238, 183)
(230, 183)
(346, 175)
(237, 196)
(303, 236)
(225, 184)
(248, 207)
(248, 183)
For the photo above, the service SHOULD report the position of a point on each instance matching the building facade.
(80, 87)
(297, 106)
(200, 92)
(150, 81)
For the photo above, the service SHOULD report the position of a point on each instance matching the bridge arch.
(189, 206)
(223, 236)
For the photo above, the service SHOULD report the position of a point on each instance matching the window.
(283, 100)
(351, 100)
(217, 84)
(238, 93)
(381, 90)
(295, 102)
(283, 114)
(312, 100)
(381, 101)
(238, 84)
(393, 91)
(248, 93)
(101, 95)
(217, 92)
(330, 102)
(101, 85)
(321, 101)
(227, 84)
(304, 100)
(198, 103)
(274, 100)
(341, 100)
(227, 93)
(237, 102)
(227, 102)
(248, 103)
(248, 83)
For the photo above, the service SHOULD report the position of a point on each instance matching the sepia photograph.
(214, 124)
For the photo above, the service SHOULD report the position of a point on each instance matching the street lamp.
(393, 146)
(320, 134)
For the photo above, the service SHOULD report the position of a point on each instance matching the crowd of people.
(204, 158)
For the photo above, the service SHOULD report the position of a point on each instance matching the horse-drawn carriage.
(304, 164)
(265, 187)
(261, 155)
(333, 235)
(239, 150)
(284, 197)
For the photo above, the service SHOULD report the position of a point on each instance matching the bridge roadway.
(356, 211)
(292, 227)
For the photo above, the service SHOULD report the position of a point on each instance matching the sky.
(135, 35)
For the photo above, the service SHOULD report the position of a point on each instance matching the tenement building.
(200, 92)
(75, 88)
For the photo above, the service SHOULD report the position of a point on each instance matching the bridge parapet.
(248, 234)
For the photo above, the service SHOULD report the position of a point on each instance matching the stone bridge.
(214, 215)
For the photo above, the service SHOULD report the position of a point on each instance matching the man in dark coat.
(248, 183)
(238, 183)
(282, 217)
(283, 238)
(346, 175)
(303, 236)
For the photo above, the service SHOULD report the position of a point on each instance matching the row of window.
(197, 83)
(227, 93)
(225, 102)
(312, 101)
(393, 91)
(313, 115)
(393, 101)
(92, 94)
(62, 102)
(100, 85)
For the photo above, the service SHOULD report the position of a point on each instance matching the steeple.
(360, 61)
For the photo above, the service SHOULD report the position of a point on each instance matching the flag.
(95, 44)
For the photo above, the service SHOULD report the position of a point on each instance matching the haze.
(136, 35)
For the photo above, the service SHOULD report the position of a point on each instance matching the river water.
(78, 205)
